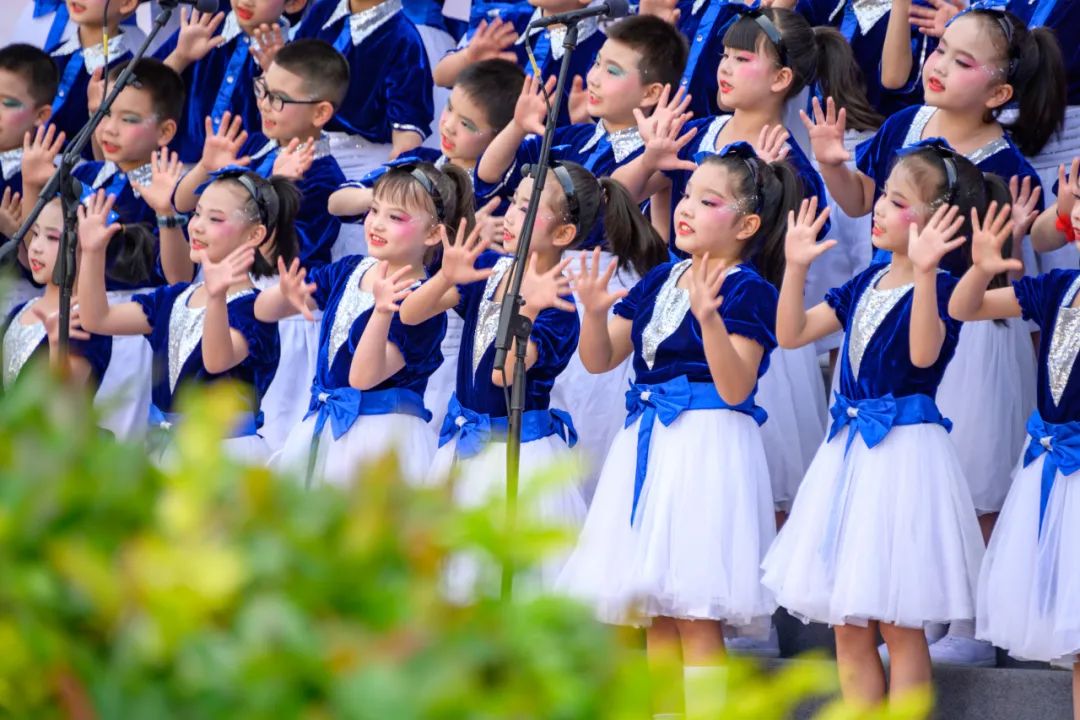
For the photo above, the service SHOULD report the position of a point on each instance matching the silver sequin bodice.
(186, 330)
(487, 320)
(1064, 345)
(870, 312)
(20, 342)
(354, 303)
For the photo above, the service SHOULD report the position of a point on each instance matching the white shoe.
(756, 647)
(934, 632)
(955, 650)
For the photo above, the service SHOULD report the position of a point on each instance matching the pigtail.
(782, 192)
(131, 257)
(630, 236)
(839, 77)
(283, 241)
(461, 205)
(1040, 86)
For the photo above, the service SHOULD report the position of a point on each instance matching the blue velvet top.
(390, 85)
(1042, 299)
(555, 333)
(176, 339)
(346, 311)
(21, 343)
(666, 335)
(1063, 17)
(704, 23)
(876, 358)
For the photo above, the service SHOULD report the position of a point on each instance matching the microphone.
(203, 6)
(611, 9)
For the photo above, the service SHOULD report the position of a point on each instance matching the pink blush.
(723, 213)
(910, 216)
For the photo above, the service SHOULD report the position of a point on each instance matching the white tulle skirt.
(442, 383)
(369, 439)
(482, 479)
(988, 392)
(1029, 587)
(123, 397)
(792, 392)
(704, 522)
(891, 534)
(286, 400)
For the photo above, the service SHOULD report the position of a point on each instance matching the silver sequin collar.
(186, 329)
(487, 320)
(20, 342)
(11, 162)
(363, 24)
(623, 142)
(1065, 344)
(354, 302)
(918, 126)
(869, 12)
(322, 148)
(870, 312)
(141, 175)
(557, 33)
(93, 56)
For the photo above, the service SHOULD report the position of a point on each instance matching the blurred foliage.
(211, 590)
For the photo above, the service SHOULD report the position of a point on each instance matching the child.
(204, 331)
(1027, 588)
(683, 511)
(220, 67)
(372, 369)
(387, 109)
(502, 34)
(859, 553)
(83, 54)
(33, 326)
(44, 24)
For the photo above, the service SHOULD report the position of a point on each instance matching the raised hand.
(294, 289)
(541, 291)
(1025, 206)
(222, 146)
(660, 132)
(931, 21)
(530, 112)
(827, 132)
(578, 104)
(268, 39)
(591, 286)
(95, 230)
(39, 155)
(459, 257)
(666, 10)
(490, 226)
(936, 240)
(218, 277)
(491, 40)
(197, 35)
(95, 91)
(390, 290)
(295, 159)
(801, 246)
(772, 143)
(166, 171)
(705, 297)
(988, 237)
(51, 321)
(1068, 187)
(10, 212)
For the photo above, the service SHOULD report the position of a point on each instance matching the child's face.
(398, 233)
(132, 131)
(1075, 218)
(615, 85)
(709, 217)
(551, 229)
(294, 119)
(899, 206)
(964, 72)
(220, 223)
(91, 12)
(43, 242)
(748, 79)
(250, 14)
(463, 127)
(18, 113)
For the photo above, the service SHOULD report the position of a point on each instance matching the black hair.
(494, 85)
(132, 255)
(820, 55)
(775, 191)
(324, 70)
(663, 49)
(1034, 67)
(35, 67)
(275, 205)
(161, 82)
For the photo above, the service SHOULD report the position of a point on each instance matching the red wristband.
(1064, 225)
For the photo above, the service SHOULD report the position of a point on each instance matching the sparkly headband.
(743, 151)
(767, 27)
(573, 205)
(429, 187)
(266, 203)
(947, 156)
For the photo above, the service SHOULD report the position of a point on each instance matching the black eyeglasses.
(277, 100)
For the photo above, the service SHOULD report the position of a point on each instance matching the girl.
(683, 511)
(883, 533)
(204, 331)
(1028, 592)
(32, 325)
(372, 370)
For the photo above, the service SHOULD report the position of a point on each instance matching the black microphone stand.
(64, 183)
(515, 327)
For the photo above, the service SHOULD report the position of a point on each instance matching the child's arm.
(643, 176)
(175, 253)
(896, 60)
(489, 42)
(402, 141)
(78, 368)
(604, 343)
(10, 212)
(795, 325)
(733, 359)
(440, 293)
(196, 39)
(852, 190)
(1045, 235)
(376, 358)
(39, 160)
(220, 150)
(223, 347)
(970, 300)
(290, 296)
(1025, 210)
(350, 201)
(529, 115)
(96, 313)
(925, 250)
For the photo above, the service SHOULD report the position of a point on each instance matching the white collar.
(623, 142)
(363, 24)
(557, 33)
(11, 162)
(93, 56)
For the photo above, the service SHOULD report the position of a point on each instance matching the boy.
(213, 54)
(388, 107)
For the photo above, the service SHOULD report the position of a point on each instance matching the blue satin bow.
(873, 418)
(343, 406)
(475, 430)
(246, 423)
(1060, 443)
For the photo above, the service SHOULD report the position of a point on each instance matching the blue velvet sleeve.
(261, 337)
(874, 157)
(1039, 295)
(629, 305)
(328, 277)
(749, 308)
(555, 334)
(317, 228)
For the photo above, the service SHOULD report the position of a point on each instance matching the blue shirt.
(704, 23)
(1041, 299)
(390, 85)
(666, 335)
(22, 343)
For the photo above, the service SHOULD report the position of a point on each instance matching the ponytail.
(282, 239)
(131, 255)
(840, 77)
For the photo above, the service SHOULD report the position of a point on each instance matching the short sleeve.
(408, 88)
(150, 303)
(555, 334)
(946, 284)
(749, 310)
(469, 295)
(262, 338)
(628, 307)
(1039, 294)
(842, 299)
(328, 277)
(874, 157)
(418, 344)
